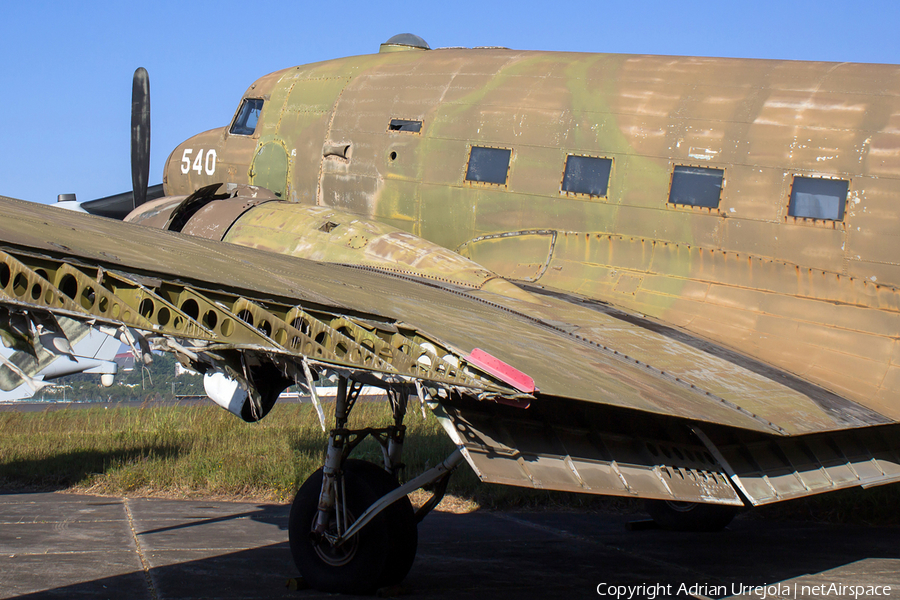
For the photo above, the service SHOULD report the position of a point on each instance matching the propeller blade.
(118, 206)
(140, 135)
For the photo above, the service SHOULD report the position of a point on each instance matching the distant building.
(125, 360)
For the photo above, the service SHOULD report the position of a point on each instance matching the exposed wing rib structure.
(225, 323)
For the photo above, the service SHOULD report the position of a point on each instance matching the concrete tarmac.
(58, 545)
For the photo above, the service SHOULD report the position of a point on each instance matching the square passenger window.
(488, 165)
(817, 198)
(247, 117)
(586, 175)
(696, 186)
(405, 125)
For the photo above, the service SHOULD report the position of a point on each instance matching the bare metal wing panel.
(571, 351)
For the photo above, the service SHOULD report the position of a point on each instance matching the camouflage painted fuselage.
(815, 297)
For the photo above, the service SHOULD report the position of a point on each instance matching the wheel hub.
(334, 556)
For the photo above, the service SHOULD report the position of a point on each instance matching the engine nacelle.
(253, 216)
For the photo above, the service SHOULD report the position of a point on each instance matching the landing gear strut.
(352, 528)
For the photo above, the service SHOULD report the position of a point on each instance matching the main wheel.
(379, 555)
(400, 515)
(690, 516)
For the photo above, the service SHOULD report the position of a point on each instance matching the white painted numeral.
(186, 160)
(199, 165)
(210, 162)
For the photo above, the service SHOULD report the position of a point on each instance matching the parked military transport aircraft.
(657, 277)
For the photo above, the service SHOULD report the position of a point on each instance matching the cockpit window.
(247, 117)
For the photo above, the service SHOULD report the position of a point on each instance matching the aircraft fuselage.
(749, 202)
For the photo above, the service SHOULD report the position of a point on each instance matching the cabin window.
(247, 117)
(586, 175)
(405, 125)
(818, 198)
(488, 165)
(696, 186)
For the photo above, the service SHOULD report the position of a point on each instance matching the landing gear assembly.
(352, 527)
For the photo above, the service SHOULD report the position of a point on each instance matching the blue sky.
(66, 77)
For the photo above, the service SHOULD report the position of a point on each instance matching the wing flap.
(772, 470)
(578, 457)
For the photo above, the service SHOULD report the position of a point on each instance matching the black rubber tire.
(400, 515)
(380, 555)
(690, 516)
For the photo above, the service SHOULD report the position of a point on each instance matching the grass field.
(205, 451)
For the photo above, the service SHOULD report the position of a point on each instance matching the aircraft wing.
(619, 404)
(91, 352)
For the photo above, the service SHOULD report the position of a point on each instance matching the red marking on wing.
(501, 370)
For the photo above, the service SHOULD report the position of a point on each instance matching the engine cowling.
(252, 216)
